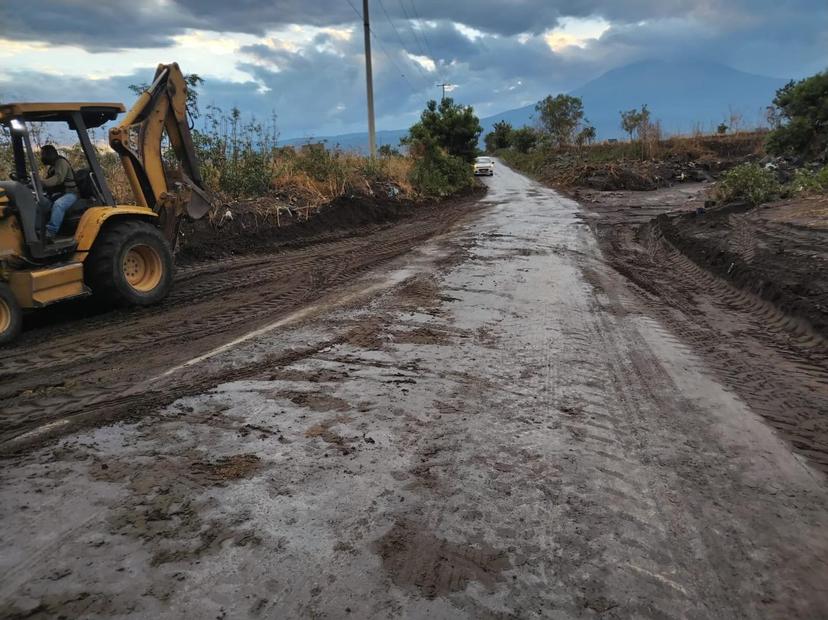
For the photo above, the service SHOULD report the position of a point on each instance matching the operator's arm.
(59, 173)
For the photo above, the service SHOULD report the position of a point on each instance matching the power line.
(402, 43)
(411, 30)
(385, 52)
(428, 45)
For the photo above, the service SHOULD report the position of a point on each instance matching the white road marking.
(393, 279)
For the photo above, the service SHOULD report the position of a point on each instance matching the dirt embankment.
(257, 225)
(641, 166)
(746, 288)
(778, 252)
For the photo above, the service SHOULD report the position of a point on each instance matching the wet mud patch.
(321, 375)
(366, 336)
(314, 400)
(421, 292)
(227, 468)
(82, 604)
(324, 432)
(418, 560)
(444, 408)
(423, 335)
(531, 252)
(486, 336)
(165, 510)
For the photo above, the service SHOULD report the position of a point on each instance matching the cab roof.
(94, 114)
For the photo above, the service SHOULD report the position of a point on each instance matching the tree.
(386, 150)
(443, 143)
(801, 111)
(524, 139)
(560, 117)
(500, 137)
(722, 129)
(635, 121)
(451, 126)
(629, 122)
(586, 136)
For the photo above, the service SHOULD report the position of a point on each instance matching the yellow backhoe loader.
(122, 254)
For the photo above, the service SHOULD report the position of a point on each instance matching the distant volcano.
(683, 95)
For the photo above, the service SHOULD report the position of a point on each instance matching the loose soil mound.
(264, 224)
(639, 167)
(761, 250)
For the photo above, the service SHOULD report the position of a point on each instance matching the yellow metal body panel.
(92, 220)
(41, 287)
(11, 237)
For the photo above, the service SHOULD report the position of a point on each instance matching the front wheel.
(130, 264)
(11, 316)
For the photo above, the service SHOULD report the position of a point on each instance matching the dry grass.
(645, 164)
(299, 177)
(313, 178)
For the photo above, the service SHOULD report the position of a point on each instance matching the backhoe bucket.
(200, 202)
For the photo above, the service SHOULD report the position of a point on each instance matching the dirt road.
(493, 424)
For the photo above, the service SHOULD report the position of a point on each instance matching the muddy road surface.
(490, 420)
(77, 365)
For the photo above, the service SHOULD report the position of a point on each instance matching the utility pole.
(444, 85)
(369, 80)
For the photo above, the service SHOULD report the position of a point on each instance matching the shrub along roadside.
(241, 160)
(800, 116)
(443, 143)
(748, 182)
(756, 185)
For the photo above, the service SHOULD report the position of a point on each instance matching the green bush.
(800, 113)
(809, 181)
(748, 182)
(452, 127)
(524, 139)
(438, 174)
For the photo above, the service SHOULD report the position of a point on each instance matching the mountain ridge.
(683, 95)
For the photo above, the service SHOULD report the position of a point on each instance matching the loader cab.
(31, 204)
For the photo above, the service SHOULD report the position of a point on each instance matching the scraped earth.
(747, 288)
(483, 412)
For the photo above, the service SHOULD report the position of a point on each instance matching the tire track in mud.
(775, 362)
(610, 422)
(663, 446)
(97, 369)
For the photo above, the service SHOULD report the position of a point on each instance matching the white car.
(484, 165)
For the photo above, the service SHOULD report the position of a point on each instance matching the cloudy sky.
(303, 59)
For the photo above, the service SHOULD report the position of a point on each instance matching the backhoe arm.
(138, 141)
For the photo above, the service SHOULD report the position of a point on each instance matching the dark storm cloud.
(145, 23)
(320, 89)
(92, 25)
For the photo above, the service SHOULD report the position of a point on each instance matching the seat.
(73, 216)
(89, 195)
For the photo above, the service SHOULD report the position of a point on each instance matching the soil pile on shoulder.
(639, 166)
(777, 251)
(262, 224)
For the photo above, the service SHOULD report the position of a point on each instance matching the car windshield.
(484, 160)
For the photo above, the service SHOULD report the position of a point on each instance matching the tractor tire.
(11, 316)
(130, 264)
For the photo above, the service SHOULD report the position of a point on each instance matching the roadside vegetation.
(241, 158)
(443, 144)
(752, 166)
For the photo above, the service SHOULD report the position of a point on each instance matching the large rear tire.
(11, 316)
(130, 264)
